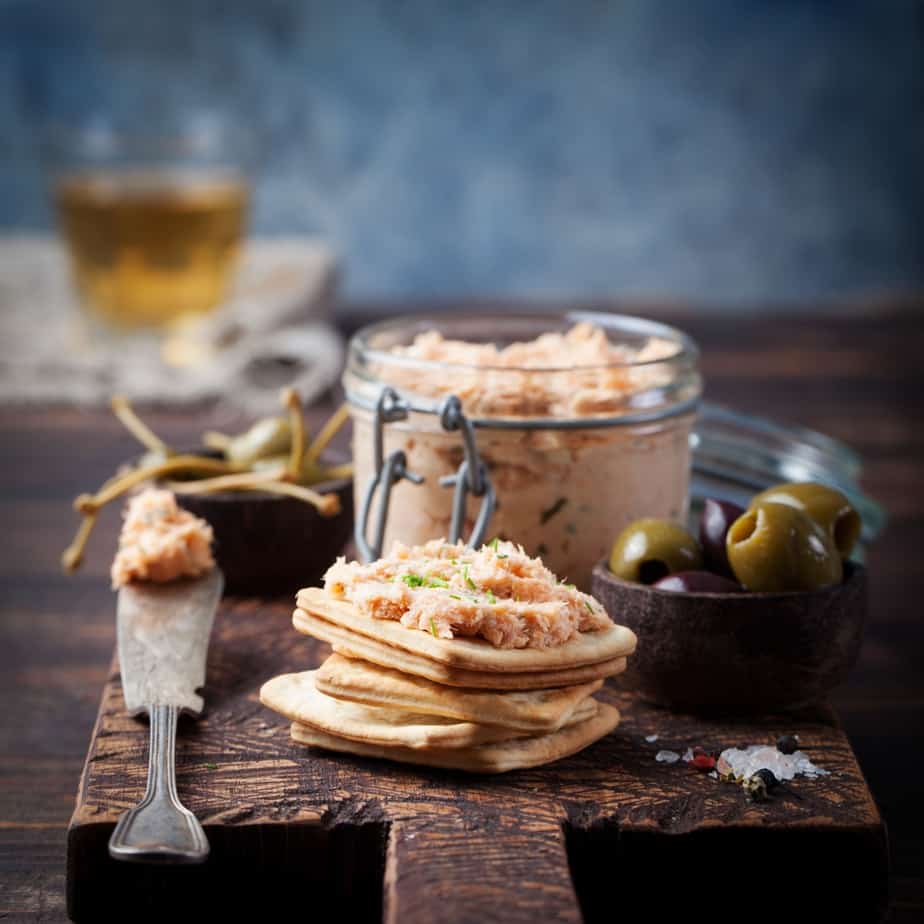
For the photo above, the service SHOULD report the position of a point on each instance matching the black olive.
(714, 521)
(769, 778)
(698, 582)
(787, 744)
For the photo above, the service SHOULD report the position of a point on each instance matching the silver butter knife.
(163, 632)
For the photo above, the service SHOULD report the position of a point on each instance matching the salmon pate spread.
(564, 492)
(160, 541)
(573, 374)
(498, 593)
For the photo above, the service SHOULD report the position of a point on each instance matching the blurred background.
(746, 154)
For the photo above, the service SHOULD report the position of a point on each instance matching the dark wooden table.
(858, 375)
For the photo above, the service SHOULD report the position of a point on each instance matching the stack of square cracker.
(400, 693)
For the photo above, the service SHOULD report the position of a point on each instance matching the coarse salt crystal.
(651, 738)
(688, 755)
(667, 757)
(744, 762)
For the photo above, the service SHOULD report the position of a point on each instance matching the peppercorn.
(787, 744)
(755, 787)
(769, 778)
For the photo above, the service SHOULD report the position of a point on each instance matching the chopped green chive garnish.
(493, 543)
(550, 512)
(415, 580)
(433, 628)
(468, 580)
(211, 766)
(587, 604)
(455, 596)
(491, 597)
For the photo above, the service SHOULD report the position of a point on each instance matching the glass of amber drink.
(153, 223)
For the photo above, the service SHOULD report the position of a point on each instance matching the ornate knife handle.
(160, 829)
(471, 478)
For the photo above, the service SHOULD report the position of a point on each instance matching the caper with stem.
(311, 472)
(299, 468)
(267, 437)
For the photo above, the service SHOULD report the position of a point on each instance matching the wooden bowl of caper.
(280, 506)
(267, 544)
(763, 611)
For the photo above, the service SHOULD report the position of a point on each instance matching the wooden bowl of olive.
(776, 621)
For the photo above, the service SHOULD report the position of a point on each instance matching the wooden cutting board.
(606, 833)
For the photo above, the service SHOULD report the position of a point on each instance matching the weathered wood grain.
(459, 847)
(495, 864)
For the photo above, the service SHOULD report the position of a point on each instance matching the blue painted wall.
(725, 151)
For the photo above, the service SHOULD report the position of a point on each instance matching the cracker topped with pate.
(497, 593)
(478, 660)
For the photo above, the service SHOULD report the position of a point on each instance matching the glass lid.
(736, 455)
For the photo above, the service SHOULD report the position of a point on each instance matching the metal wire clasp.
(388, 472)
(471, 478)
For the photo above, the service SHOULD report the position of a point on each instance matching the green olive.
(267, 437)
(776, 547)
(827, 507)
(648, 550)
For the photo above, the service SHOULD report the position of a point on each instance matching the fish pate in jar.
(582, 420)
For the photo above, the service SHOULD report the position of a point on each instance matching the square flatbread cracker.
(530, 711)
(471, 653)
(297, 698)
(353, 645)
(498, 757)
